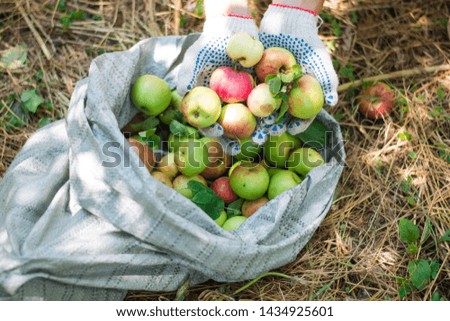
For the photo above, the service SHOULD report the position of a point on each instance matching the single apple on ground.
(180, 184)
(191, 157)
(233, 222)
(163, 178)
(250, 207)
(282, 181)
(151, 94)
(237, 121)
(249, 180)
(278, 148)
(306, 99)
(222, 188)
(144, 152)
(376, 101)
(275, 61)
(201, 107)
(261, 102)
(245, 49)
(231, 85)
(304, 159)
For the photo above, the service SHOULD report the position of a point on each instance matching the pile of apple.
(228, 188)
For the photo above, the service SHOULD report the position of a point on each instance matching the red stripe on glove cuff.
(294, 7)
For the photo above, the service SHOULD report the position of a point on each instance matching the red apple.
(376, 101)
(222, 188)
(237, 121)
(145, 153)
(306, 99)
(261, 102)
(231, 85)
(250, 207)
(275, 60)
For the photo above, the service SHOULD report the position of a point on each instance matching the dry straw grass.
(356, 254)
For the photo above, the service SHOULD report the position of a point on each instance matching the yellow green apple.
(304, 159)
(249, 180)
(282, 181)
(278, 148)
(151, 94)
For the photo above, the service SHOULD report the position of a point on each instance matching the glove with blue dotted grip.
(208, 52)
(296, 30)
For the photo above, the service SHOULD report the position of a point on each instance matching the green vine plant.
(421, 272)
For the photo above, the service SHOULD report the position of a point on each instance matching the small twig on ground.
(35, 33)
(395, 74)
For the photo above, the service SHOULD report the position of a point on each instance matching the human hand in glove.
(293, 25)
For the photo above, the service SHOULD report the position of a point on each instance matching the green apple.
(273, 170)
(201, 107)
(191, 157)
(175, 140)
(180, 184)
(278, 148)
(221, 219)
(304, 159)
(249, 180)
(151, 94)
(233, 222)
(282, 181)
(306, 99)
(249, 150)
(236, 164)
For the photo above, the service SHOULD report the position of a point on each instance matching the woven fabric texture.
(82, 219)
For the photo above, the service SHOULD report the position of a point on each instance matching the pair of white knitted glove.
(292, 28)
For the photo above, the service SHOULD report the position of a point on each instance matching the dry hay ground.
(396, 168)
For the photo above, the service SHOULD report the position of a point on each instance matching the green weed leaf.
(419, 273)
(31, 100)
(445, 237)
(274, 85)
(404, 290)
(178, 128)
(206, 199)
(435, 266)
(234, 208)
(297, 71)
(283, 110)
(409, 232)
(315, 135)
(149, 123)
